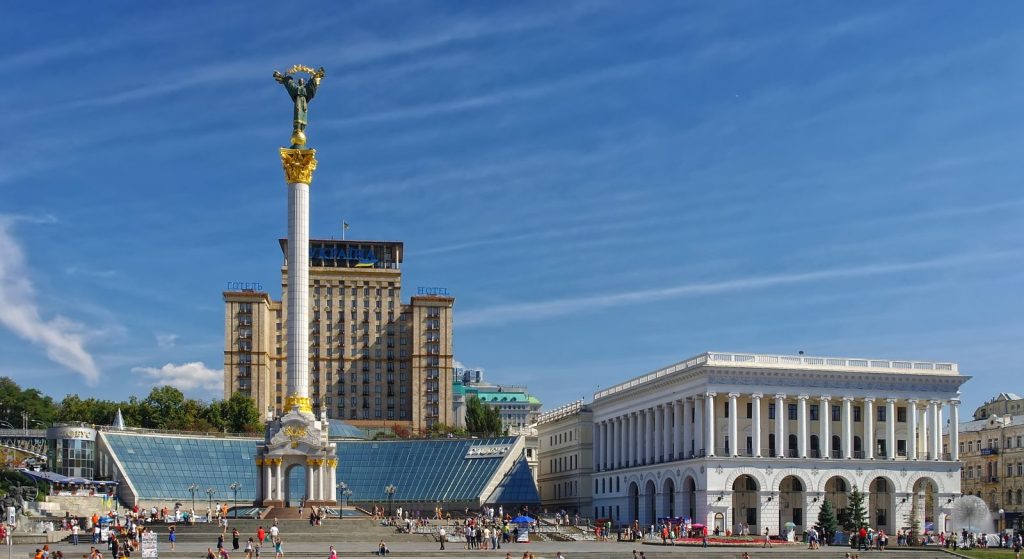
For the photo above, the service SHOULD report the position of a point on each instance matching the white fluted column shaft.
(709, 427)
(825, 419)
(890, 428)
(847, 417)
(913, 435)
(869, 428)
(780, 426)
(666, 432)
(679, 433)
(734, 449)
(298, 290)
(801, 442)
(755, 428)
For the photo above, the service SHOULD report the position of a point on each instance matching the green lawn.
(987, 553)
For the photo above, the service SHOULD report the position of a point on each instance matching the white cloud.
(62, 338)
(185, 377)
(166, 340)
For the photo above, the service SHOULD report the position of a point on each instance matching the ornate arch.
(758, 475)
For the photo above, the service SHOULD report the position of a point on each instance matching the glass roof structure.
(156, 466)
(517, 488)
(432, 470)
(164, 466)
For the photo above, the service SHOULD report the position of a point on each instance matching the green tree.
(827, 521)
(857, 515)
(164, 408)
(481, 419)
(240, 414)
(14, 402)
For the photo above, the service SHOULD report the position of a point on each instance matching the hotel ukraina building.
(743, 442)
(374, 361)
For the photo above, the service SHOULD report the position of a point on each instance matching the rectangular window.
(856, 414)
(771, 411)
(750, 410)
(792, 412)
(901, 447)
(881, 413)
(901, 414)
(726, 406)
(836, 413)
(814, 412)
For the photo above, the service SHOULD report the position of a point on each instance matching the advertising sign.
(149, 545)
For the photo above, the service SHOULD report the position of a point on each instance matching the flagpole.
(343, 228)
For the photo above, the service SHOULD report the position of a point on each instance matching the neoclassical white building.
(744, 441)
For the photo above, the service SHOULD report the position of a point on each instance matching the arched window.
(836, 445)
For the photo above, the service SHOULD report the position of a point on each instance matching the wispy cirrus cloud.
(62, 338)
(166, 340)
(539, 310)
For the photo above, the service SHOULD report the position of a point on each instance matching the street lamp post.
(192, 489)
(1002, 524)
(342, 487)
(210, 492)
(235, 487)
(390, 490)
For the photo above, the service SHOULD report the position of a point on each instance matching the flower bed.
(751, 541)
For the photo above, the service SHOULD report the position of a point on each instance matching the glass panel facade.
(434, 471)
(161, 467)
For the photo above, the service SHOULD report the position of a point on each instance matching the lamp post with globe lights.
(390, 490)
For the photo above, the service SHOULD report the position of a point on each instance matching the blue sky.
(606, 187)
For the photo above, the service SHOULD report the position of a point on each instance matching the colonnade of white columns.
(321, 479)
(686, 428)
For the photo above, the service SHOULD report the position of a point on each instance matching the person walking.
(234, 539)
(333, 554)
(248, 549)
(767, 539)
(278, 547)
(261, 535)
(74, 532)
(441, 535)
(171, 537)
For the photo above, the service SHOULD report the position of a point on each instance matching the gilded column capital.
(301, 402)
(332, 462)
(298, 164)
(313, 461)
(259, 461)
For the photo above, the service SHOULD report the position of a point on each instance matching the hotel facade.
(745, 442)
(373, 361)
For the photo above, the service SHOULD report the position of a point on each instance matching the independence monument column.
(297, 439)
(298, 171)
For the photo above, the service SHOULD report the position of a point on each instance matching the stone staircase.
(332, 530)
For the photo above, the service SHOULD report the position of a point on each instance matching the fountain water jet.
(972, 514)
